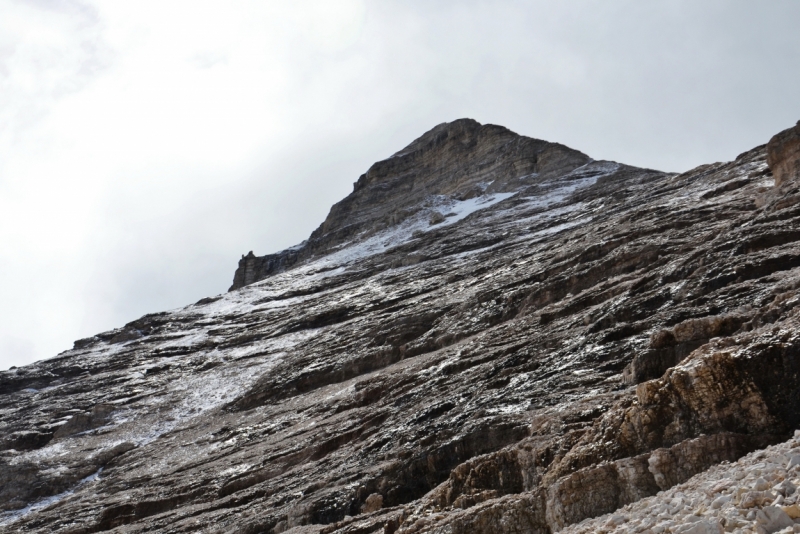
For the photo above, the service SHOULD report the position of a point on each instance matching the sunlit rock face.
(490, 334)
(783, 155)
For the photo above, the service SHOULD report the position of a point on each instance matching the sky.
(144, 146)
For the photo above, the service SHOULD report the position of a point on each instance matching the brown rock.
(783, 155)
(756, 498)
(792, 511)
(372, 503)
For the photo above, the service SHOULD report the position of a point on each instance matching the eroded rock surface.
(783, 155)
(567, 337)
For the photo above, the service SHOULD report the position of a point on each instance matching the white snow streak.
(13, 516)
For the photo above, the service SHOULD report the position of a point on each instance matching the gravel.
(757, 493)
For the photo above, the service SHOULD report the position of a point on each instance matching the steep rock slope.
(496, 334)
(453, 162)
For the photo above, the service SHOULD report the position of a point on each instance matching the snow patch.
(464, 208)
(13, 516)
(402, 233)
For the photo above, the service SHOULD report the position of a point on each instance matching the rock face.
(490, 334)
(783, 155)
(457, 161)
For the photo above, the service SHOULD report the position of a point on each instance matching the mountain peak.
(456, 161)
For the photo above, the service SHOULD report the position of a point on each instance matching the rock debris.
(757, 493)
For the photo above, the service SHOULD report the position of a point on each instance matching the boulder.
(772, 519)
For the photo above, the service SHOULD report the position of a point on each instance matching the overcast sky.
(144, 146)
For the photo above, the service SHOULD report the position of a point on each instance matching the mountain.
(491, 333)
(452, 163)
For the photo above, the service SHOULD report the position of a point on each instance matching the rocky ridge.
(452, 163)
(490, 334)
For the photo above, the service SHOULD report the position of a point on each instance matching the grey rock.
(396, 376)
(704, 527)
(773, 519)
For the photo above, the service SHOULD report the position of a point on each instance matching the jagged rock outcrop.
(567, 337)
(783, 155)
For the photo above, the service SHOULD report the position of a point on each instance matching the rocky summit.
(491, 333)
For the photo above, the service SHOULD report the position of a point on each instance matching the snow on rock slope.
(490, 334)
(454, 169)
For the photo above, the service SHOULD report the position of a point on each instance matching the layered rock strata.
(459, 161)
(537, 339)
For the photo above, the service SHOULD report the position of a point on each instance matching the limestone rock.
(688, 507)
(772, 519)
(783, 155)
(570, 338)
(460, 160)
(792, 511)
